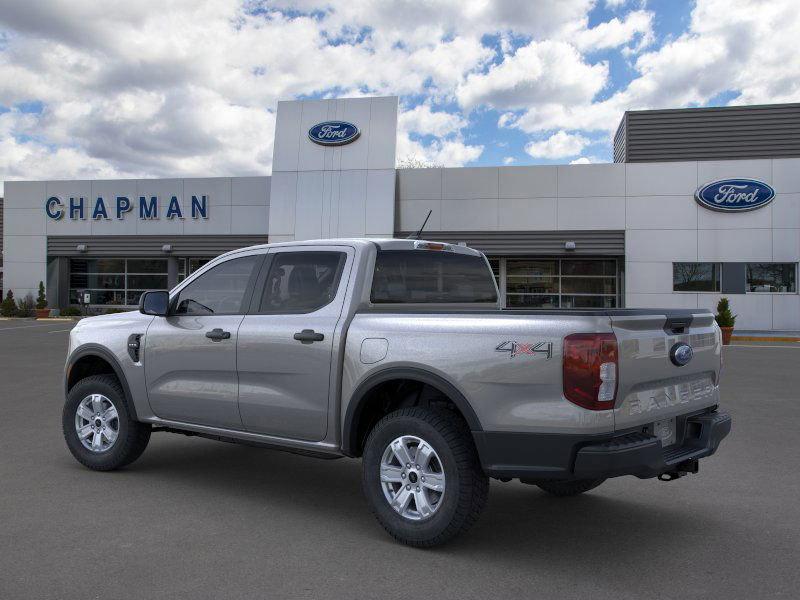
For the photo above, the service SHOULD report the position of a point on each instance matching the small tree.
(41, 299)
(725, 318)
(25, 306)
(8, 307)
(414, 162)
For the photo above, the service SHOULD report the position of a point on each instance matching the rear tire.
(443, 446)
(568, 488)
(98, 426)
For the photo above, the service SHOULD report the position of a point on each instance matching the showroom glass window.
(772, 277)
(560, 283)
(116, 281)
(696, 277)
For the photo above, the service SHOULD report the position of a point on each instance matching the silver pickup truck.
(398, 352)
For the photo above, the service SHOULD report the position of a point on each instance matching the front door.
(286, 342)
(190, 356)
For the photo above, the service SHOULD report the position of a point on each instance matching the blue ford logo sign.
(735, 195)
(333, 133)
(681, 354)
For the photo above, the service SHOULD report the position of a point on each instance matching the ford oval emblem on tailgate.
(681, 354)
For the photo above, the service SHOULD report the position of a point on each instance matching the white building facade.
(570, 236)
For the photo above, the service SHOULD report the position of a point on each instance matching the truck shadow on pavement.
(520, 522)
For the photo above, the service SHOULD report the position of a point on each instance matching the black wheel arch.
(99, 352)
(359, 400)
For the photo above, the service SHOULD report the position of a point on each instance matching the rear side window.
(420, 276)
(301, 282)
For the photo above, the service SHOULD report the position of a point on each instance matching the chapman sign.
(333, 133)
(147, 208)
(735, 195)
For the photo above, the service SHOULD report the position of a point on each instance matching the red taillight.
(590, 370)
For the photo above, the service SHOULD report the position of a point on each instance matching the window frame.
(747, 285)
(207, 268)
(698, 262)
(266, 267)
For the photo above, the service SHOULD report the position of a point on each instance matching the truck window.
(218, 291)
(300, 282)
(419, 276)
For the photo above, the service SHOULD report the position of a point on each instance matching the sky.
(180, 88)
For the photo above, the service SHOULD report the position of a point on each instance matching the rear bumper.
(556, 456)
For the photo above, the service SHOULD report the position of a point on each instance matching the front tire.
(574, 487)
(98, 427)
(422, 477)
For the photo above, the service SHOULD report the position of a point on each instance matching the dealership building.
(699, 204)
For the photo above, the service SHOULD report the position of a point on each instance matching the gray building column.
(57, 284)
(172, 272)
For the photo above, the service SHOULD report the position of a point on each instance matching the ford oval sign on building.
(333, 133)
(735, 195)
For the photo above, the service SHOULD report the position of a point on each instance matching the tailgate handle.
(676, 325)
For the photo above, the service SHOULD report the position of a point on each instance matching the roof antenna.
(418, 232)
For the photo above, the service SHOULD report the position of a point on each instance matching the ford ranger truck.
(399, 353)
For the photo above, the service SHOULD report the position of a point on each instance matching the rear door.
(653, 388)
(286, 341)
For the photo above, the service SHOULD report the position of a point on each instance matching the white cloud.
(509, 160)
(581, 161)
(447, 153)
(746, 47)
(188, 87)
(559, 145)
(539, 72)
(616, 32)
(423, 120)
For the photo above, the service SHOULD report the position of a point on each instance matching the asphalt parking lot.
(201, 519)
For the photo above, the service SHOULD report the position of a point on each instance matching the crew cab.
(399, 353)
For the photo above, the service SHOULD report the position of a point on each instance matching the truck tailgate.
(653, 388)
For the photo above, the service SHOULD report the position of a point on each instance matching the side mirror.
(154, 303)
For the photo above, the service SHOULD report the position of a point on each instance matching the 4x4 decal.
(515, 348)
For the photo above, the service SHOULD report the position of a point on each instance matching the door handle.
(217, 335)
(308, 335)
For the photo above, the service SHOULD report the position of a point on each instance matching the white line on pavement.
(24, 327)
(748, 346)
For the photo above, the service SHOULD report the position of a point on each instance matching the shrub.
(25, 306)
(725, 318)
(8, 307)
(71, 311)
(41, 299)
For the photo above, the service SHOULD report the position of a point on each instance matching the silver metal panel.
(191, 378)
(284, 384)
(521, 393)
(719, 133)
(150, 245)
(508, 243)
(650, 386)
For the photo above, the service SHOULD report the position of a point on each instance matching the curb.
(53, 319)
